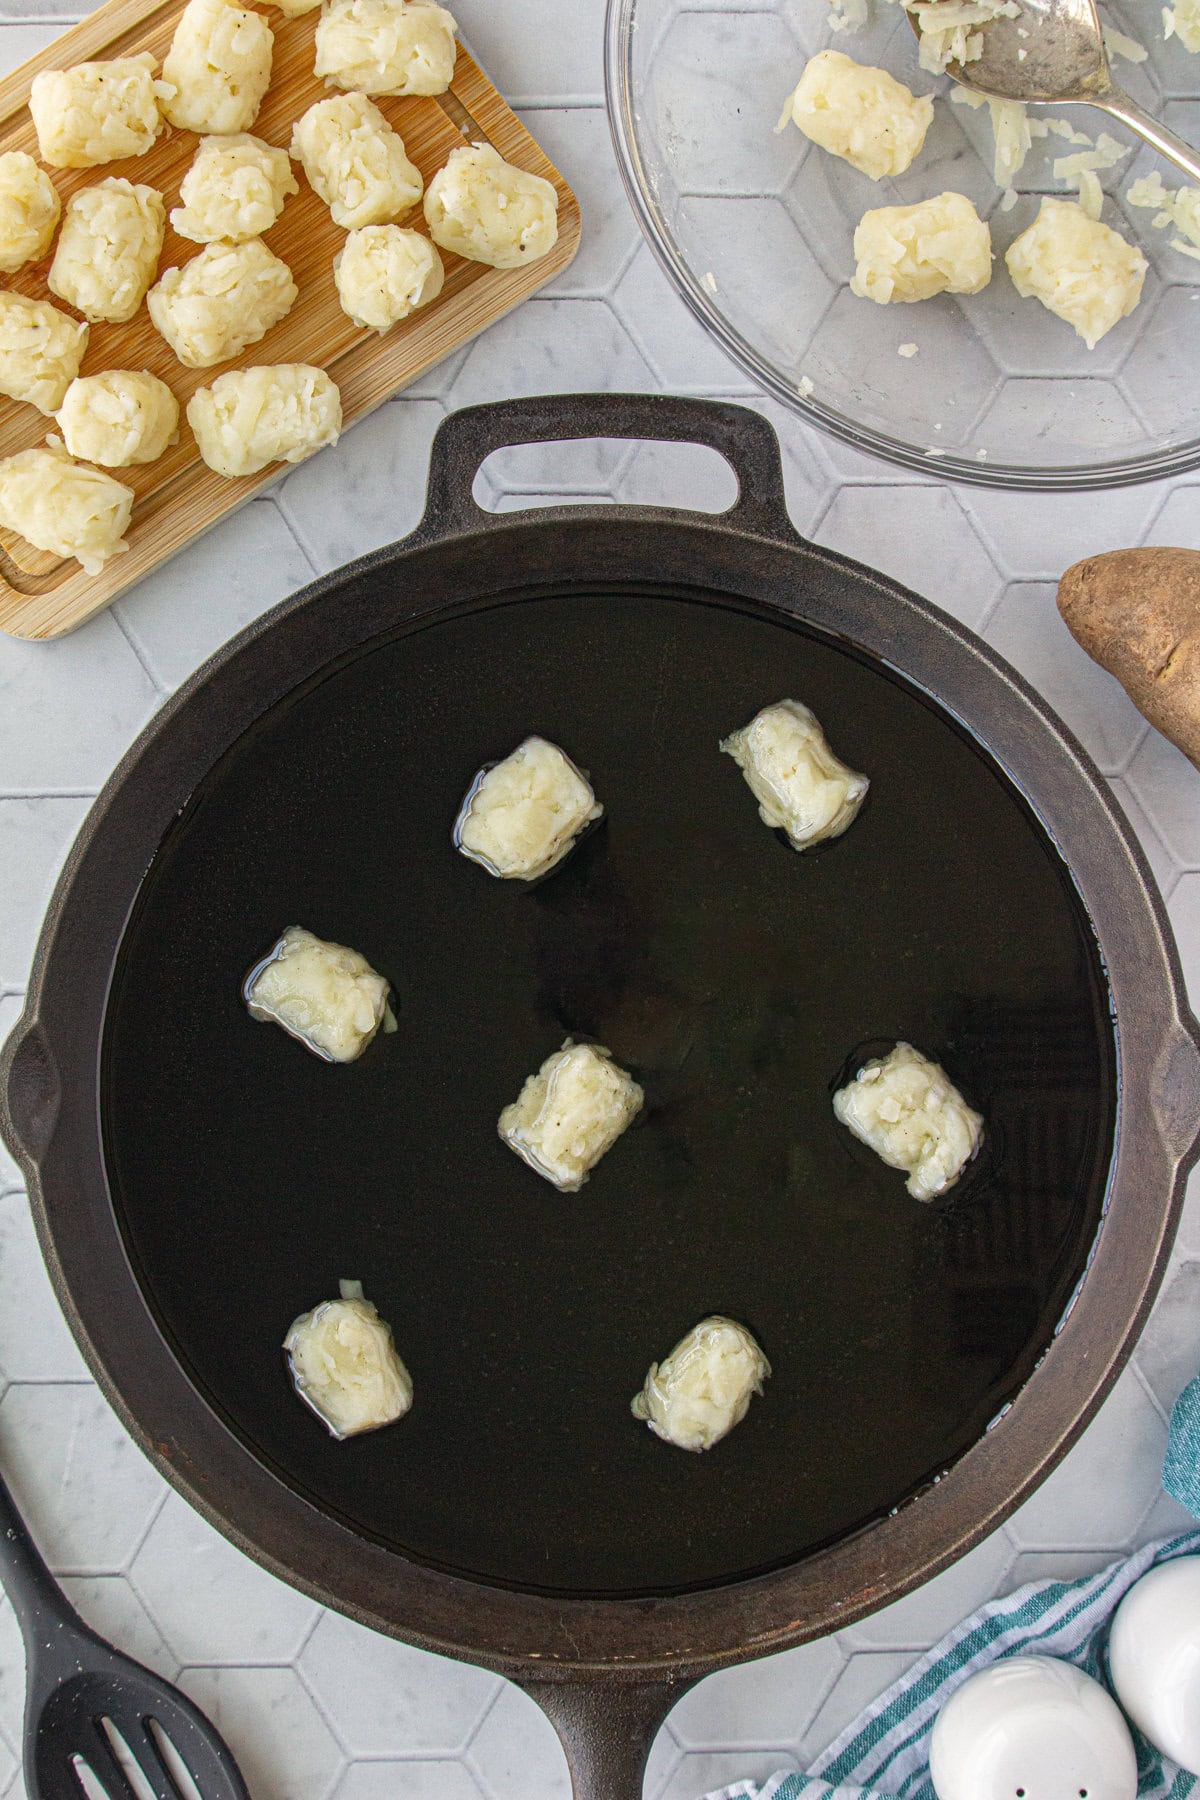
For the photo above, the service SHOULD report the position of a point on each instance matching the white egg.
(1032, 1728)
(1154, 1658)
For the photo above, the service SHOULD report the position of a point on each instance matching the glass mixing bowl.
(755, 230)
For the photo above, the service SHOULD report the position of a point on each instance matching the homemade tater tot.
(279, 412)
(61, 506)
(108, 249)
(385, 273)
(570, 1113)
(484, 208)
(234, 190)
(121, 417)
(386, 46)
(223, 300)
(913, 252)
(355, 162)
(96, 112)
(698, 1393)
(861, 114)
(219, 66)
(40, 351)
(1078, 268)
(801, 785)
(29, 210)
(909, 1112)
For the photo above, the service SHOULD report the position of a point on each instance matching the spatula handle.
(28, 1582)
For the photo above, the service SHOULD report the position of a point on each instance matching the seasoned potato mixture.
(1078, 268)
(108, 249)
(97, 112)
(800, 785)
(40, 351)
(61, 506)
(345, 1365)
(910, 1113)
(355, 162)
(119, 418)
(859, 113)
(570, 1113)
(484, 208)
(386, 46)
(698, 1393)
(219, 66)
(225, 299)
(913, 252)
(520, 817)
(277, 413)
(385, 273)
(234, 190)
(325, 995)
(29, 210)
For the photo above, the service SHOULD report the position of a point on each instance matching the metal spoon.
(1061, 59)
(85, 1702)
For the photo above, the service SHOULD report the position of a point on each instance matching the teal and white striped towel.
(884, 1755)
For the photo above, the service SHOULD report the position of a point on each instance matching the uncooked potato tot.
(913, 252)
(698, 1393)
(41, 349)
(1137, 612)
(385, 273)
(29, 211)
(909, 1112)
(522, 815)
(386, 46)
(61, 506)
(119, 418)
(225, 299)
(355, 162)
(1083, 271)
(108, 249)
(96, 112)
(280, 412)
(345, 1365)
(801, 786)
(234, 190)
(488, 210)
(570, 1114)
(219, 66)
(859, 113)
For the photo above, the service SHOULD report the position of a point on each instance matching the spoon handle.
(30, 1586)
(1165, 142)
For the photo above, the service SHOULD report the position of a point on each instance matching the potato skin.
(1137, 613)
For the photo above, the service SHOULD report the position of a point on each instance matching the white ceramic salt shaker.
(1032, 1728)
(1154, 1658)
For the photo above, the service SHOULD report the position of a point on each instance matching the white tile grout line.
(139, 653)
(42, 794)
(275, 499)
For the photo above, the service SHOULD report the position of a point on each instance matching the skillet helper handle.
(36, 1596)
(606, 1731)
(29, 1091)
(743, 437)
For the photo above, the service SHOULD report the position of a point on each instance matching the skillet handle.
(606, 1731)
(1176, 1091)
(29, 1091)
(466, 439)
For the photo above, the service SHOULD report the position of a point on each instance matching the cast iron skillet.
(197, 1178)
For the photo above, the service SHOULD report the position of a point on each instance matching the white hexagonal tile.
(109, 1605)
(1151, 370)
(1053, 1565)
(202, 597)
(212, 1604)
(1184, 908)
(18, 42)
(578, 142)
(531, 65)
(866, 1674)
(927, 1614)
(441, 1780)
(1027, 628)
(686, 475)
(35, 1344)
(379, 1693)
(660, 1765)
(1166, 1519)
(1099, 1495)
(1168, 786)
(371, 492)
(1179, 521)
(1162, 864)
(772, 1700)
(516, 1752)
(680, 351)
(87, 1493)
(1187, 1238)
(792, 292)
(9, 1772)
(281, 1743)
(1072, 421)
(12, 1677)
(35, 836)
(11, 1007)
(1168, 1351)
(1041, 535)
(701, 1771)
(90, 696)
(892, 529)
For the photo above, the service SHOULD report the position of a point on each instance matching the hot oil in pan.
(734, 978)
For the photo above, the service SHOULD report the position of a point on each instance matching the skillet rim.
(50, 1066)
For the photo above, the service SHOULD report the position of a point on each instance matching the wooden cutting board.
(178, 497)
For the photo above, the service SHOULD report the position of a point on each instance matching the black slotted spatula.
(83, 1700)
